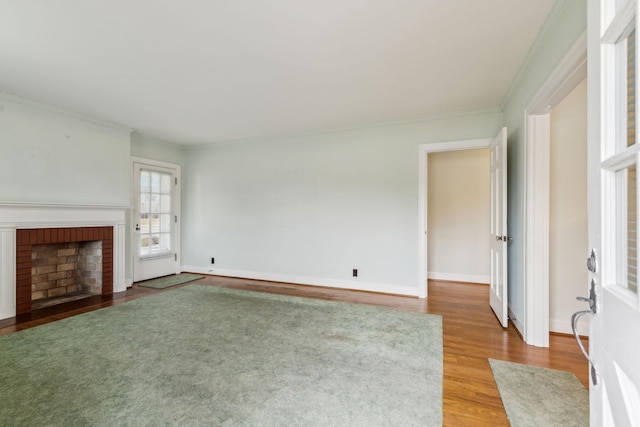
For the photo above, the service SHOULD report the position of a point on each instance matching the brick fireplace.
(24, 225)
(61, 244)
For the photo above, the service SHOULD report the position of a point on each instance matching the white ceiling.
(204, 71)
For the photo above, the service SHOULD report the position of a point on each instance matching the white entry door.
(613, 208)
(155, 218)
(498, 291)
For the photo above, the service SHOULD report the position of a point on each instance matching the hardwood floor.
(471, 335)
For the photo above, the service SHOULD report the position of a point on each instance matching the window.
(621, 156)
(155, 213)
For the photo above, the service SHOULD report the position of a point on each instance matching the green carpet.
(200, 355)
(165, 282)
(541, 397)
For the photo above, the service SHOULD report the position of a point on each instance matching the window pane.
(155, 223)
(632, 228)
(165, 223)
(631, 88)
(155, 182)
(144, 223)
(144, 181)
(145, 206)
(155, 203)
(165, 204)
(627, 243)
(165, 184)
(154, 242)
(166, 241)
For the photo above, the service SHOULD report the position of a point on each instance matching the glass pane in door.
(631, 87)
(627, 228)
(155, 213)
(632, 230)
(626, 97)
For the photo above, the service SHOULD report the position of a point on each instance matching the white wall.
(51, 157)
(310, 209)
(568, 244)
(152, 148)
(566, 22)
(458, 215)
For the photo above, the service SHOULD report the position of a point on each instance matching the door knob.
(592, 261)
(593, 305)
(137, 227)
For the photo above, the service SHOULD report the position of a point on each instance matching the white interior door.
(613, 208)
(498, 292)
(155, 218)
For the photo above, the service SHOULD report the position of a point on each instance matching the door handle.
(593, 308)
(137, 227)
(574, 326)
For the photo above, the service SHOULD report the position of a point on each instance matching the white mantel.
(15, 216)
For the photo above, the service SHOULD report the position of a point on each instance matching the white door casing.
(612, 207)
(155, 216)
(472, 144)
(571, 70)
(498, 297)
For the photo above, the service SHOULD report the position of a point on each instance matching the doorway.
(498, 222)
(458, 215)
(569, 73)
(568, 227)
(498, 238)
(155, 219)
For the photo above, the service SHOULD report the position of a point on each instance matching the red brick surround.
(25, 238)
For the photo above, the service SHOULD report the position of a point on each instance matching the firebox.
(56, 261)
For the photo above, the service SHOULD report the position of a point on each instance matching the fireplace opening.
(63, 272)
(55, 265)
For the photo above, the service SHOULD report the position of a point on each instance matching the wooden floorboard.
(471, 335)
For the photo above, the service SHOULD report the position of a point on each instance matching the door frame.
(423, 160)
(571, 70)
(133, 244)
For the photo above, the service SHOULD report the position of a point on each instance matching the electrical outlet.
(355, 272)
(213, 260)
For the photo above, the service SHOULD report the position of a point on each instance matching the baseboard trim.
(6, 313)
(564, 327)
(454, 277)
(305, 280)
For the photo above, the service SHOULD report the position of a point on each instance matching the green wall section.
(51, 157)
(566, 22)
(317, 206)
(148, 147)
